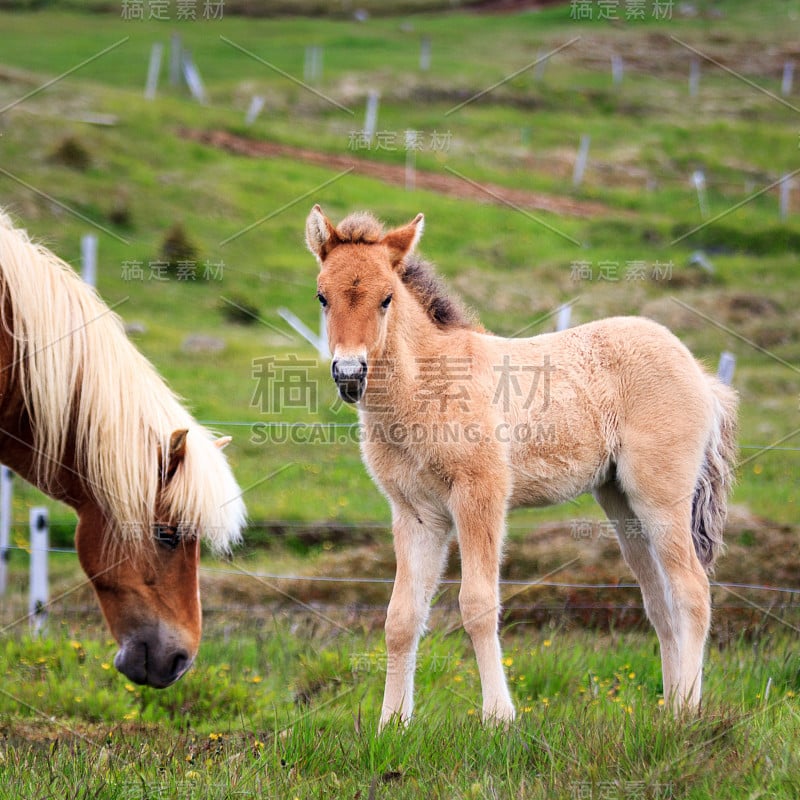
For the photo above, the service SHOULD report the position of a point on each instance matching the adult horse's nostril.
(149, 662)
(131, 661)
(180, 663)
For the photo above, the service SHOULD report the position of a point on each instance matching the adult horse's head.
(145, 571)
(361, 269)
(86, 418)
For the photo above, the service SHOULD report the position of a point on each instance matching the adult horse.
(86, 418)
(460, 426)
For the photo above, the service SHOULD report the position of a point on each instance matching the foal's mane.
(416, 273)
(86, 389)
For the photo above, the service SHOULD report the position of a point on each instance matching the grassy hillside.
(647, 136)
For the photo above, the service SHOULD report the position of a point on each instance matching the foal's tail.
(710, 503)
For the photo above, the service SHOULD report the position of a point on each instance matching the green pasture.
(283, 703)
(269, 713)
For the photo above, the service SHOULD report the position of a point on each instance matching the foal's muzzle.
(350, 376)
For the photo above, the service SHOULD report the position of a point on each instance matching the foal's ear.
(177, 452)
(321, 235)
(402, 241)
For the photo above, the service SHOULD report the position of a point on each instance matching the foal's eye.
(322, 301)
(385, 303)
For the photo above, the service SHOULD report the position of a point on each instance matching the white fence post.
(37, 607)
(788, 78)
(541, 65)
(312, 67)
(6, 486)
(786, 190)
(425, 54)
(563, 318)
(153, 71)
(371, 115)
(617, 69)
(411, 160)
(192, 77)
(89, 258)
(580, 160)
(727, 364)
(699, 181)
(256, 105)
(694, 77)
(175, 59)
(320, 342)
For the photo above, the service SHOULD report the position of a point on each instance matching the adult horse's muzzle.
(350, 376)
(151, 658)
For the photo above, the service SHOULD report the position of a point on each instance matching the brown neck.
(16, 438)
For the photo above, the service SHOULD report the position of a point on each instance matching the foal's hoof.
(499, 717)
(393, 720)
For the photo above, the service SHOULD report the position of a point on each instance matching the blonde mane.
(85, 386)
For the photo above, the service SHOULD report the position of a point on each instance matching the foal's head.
(360, 272)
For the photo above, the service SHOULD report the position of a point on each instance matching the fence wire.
(275, 576)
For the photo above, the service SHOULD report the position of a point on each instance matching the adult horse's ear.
(402, 241)
(177, 452)
(321, 235)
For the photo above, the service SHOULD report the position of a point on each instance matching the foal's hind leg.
(420, 551)
(657, 545)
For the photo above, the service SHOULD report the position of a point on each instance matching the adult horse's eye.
(168, 536)
(385, 303)
(322, 301)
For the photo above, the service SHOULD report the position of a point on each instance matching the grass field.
(283, 703)
(270, 713)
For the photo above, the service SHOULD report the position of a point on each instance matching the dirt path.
(447, 184)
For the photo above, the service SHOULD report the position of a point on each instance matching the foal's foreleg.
(480, 522)
(420, 552)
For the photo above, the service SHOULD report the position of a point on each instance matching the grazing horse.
(460, 426)
(87, 419)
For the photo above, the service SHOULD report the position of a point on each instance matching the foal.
(460, 426)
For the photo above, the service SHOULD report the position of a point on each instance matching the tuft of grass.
(71, 152)
(177, 248)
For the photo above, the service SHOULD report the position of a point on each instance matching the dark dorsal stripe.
(446, 311)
